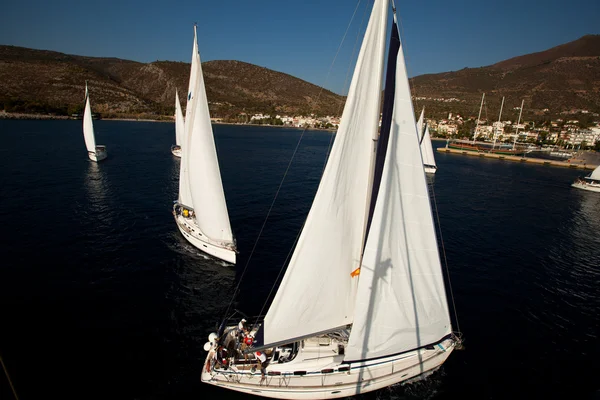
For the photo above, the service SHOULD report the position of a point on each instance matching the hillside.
(559, 79)
(47, 81)
(562, 78)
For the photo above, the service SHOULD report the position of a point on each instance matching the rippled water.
(102, 298)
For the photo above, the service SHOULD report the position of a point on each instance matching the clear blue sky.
(296, 37)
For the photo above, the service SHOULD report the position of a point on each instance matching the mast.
(499, 118)
(478, 117)
(380, 143)
(518, 122)
(400, 303)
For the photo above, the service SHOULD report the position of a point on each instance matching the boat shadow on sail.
(381, 274)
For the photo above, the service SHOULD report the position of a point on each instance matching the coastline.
(25, 116)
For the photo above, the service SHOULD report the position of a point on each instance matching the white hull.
(191, 231)
(99, 155)
(361, 377)
(587, 186)
(176, 150)
(430, 170)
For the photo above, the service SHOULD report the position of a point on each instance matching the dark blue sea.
(102, 298)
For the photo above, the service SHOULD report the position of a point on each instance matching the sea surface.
(102, 298)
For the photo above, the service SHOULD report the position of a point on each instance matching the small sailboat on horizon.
(179, 127)
(95, 152)
(429, 164)
(201, 211)
(362, 304)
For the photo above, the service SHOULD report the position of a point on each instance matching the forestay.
(317, 291)
(400, 303)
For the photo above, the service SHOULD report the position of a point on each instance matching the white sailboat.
(429, 164)
(362, 304)
(200, 211)
(590, 182)
(179, 127)
(95, 152)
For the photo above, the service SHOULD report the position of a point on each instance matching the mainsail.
(400, 302)
(317, 292)
(200, 184)
(595, 173)
(179, 126)
(88, 126)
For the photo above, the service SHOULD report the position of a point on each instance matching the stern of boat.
(184, 217)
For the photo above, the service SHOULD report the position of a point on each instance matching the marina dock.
(566, 164)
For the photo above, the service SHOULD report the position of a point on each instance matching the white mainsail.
(427, 149)
(199, 163)
(400, 302)
(88, 126)
(595, 173)
(179, 125)
(317, 291)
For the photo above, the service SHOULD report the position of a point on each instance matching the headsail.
(179, 126)
(420, 124)
(317, 291)
(595, 173)
(427, 148)
(185, 196)
(204, 175)
(401, 301)
(88, 126)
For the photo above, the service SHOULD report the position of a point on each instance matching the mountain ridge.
(561, 78)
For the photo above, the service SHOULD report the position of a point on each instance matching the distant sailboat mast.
(498, 127)
(518, 123)
(478, 119)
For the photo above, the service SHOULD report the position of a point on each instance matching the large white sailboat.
(95, 152)
(429, 164)
(362, 304)
(179, 127)
(200, 211)
(590, 182)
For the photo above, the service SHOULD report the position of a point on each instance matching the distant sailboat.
(200, 211)
(426, 147)
(362, 304)
(179, 127)
(95, 152)
(590, 182)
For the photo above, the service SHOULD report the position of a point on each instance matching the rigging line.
(437, 215)
(235, 292)
(336, 53)
(8, 378)
(275, 282)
